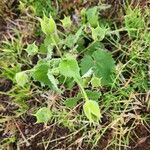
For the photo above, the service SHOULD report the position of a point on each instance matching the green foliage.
(38, 7)
(92, 16)
(98, 33)
(92, 111)
(32, 49)
(53, 80)
(43, 115)
(40, 73)
(86, 64)
(66, 22)
(76, 69)
(102, 65)
(48, 25)
(69, 67)
(134, 22)
(71, 102)
(21, 78)
(95, 82)
(71, 39)
(92, 94)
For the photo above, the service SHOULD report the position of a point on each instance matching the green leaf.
(92, 16)
(48, 25)
(85, 81)
(43, 115)
(69, 67)
(44, 47)
(86, 64)
(92, 111)
(39, 73)
(71, 102)
(32, 49)
(21, 78)
(69, 82)
(83, 15)
(78, 34)
(102, 64)
(98, 33)
(71, 39)
(94, 95)
(66, 22)
(53, 81)
(96, 45)
(96, 82)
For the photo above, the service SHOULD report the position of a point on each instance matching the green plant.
(37, 7)
(134, 22)
(43, 115)
(86, 76)
(49, 69)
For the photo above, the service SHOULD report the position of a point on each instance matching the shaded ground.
(141, 139)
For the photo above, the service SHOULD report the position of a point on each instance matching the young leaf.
(71, 40)
(43, 115)
(94, 95)
(69, 67)
(86, 64)
(83, 15)
(40, 72)
(96, 82)
(48, 25)
(21, 78)
(66, 22)
(85, 82)
(32, 49)
(53, 80)
(71, 102)
(92, 111)
(93, 47)
(98, 33)
(92, 16)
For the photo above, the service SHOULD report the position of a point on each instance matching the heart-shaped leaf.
(92, 111)
(43, 115)
(21, 78)
(69, 67)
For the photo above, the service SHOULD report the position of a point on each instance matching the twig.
(27, 142)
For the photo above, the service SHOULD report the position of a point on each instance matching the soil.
(2, 27)
(141, 138)
(5, 84)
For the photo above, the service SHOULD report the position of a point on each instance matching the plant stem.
(82, 89)
(53, 39)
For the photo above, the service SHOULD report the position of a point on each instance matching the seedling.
(69, 68)
(43, 115)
